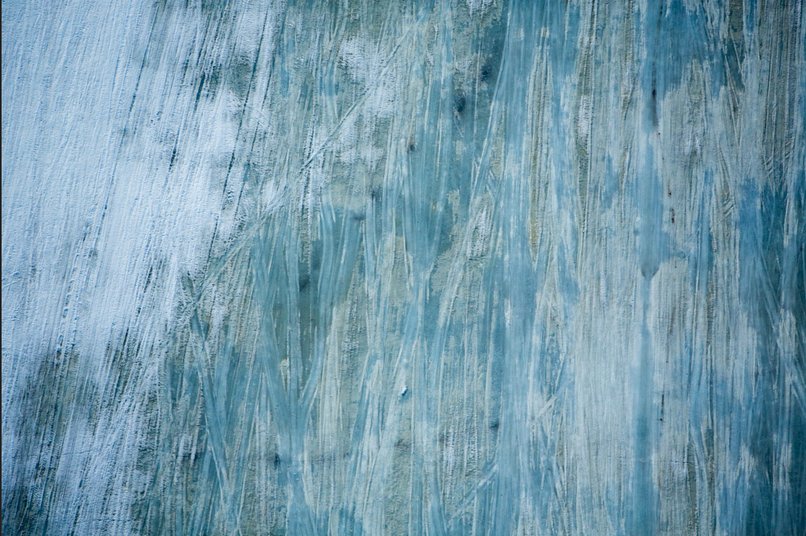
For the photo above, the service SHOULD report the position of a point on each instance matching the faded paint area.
(460, 267)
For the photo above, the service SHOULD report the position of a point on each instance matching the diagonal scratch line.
(248, 233)
(361, 99)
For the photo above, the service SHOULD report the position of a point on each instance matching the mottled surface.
(468, 267)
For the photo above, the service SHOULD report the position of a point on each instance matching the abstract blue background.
(449, 267)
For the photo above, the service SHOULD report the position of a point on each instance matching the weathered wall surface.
(462, 267)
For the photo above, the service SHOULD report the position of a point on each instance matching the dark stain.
(304, 280)
(459, 103)
(201, 86)
(53, 397)
(654, 107)
(213, 80)
(150, 276)
(735, 49)
(485, 73)
(209, 80)
(240, 76)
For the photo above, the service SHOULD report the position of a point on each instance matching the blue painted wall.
(461, 267)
